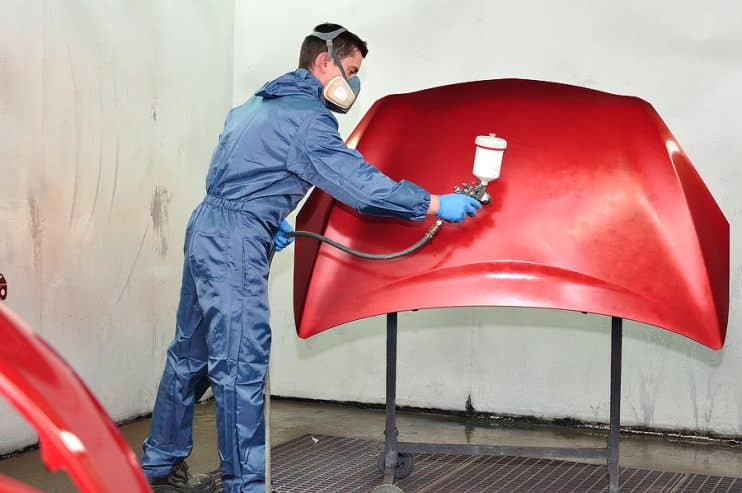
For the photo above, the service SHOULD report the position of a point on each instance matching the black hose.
(372, 256)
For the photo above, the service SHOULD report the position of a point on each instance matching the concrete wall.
(682, 58)
(108, 115)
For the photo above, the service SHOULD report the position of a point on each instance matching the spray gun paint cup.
(488, 157)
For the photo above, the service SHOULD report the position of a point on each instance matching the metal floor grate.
(348, 465)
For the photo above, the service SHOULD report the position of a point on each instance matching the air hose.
(478, 192)
(373, 256)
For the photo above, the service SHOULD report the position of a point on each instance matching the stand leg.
(267, 420)
(614, 435)
(390, 431)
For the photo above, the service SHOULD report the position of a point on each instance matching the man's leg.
(239, 350)
(252, 366)
(183, 382)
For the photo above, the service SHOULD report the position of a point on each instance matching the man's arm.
(320, 157)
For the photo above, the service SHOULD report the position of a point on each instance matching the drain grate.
(325, 464)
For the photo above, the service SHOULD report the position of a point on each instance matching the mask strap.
(328, 37)
(340, 65)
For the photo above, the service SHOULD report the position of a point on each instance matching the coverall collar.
(298, 82)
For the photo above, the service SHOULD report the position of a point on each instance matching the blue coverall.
(272, 150)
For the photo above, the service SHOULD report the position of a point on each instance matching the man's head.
(348, 48)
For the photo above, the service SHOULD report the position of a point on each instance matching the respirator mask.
(340, 92)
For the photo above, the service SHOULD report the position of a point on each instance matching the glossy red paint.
(75, 433)
(9, 485)
(597, 209)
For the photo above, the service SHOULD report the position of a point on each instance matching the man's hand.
(454, 207)
(280, 240)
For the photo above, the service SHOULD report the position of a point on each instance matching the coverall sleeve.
(321, 158)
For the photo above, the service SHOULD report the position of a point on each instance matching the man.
(273, 148)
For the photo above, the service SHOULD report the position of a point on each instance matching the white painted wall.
(682, 57)
(108, 115)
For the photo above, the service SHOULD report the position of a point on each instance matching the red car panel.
(75, 433)
(8, 485)
(597, 209)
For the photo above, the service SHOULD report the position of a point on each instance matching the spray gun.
(487, 165)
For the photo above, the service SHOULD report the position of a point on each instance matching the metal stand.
(613, 434)
(390, 430)
(389, 459)
(267, 421)
(396, 460)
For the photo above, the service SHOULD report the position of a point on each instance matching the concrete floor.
(292, 419)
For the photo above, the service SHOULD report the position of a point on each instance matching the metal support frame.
(267, 421)
(614, 436)
(393, 448)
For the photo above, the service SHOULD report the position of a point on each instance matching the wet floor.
(292, 419)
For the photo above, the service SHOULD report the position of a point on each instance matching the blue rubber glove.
(454, 207)
(281, 241)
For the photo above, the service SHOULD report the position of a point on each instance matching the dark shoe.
(181, 481)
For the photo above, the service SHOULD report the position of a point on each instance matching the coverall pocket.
(255, 265)
(208, 255)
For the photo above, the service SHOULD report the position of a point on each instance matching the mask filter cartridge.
(341, 93)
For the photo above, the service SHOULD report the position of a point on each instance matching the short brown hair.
(344, 45)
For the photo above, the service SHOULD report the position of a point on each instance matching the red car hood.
(597, 209)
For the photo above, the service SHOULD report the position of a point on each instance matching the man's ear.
(321, 62)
